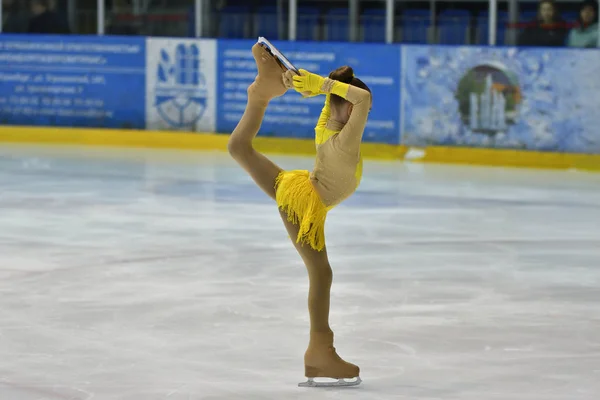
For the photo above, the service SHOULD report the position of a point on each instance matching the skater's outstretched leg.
(267, 85)
(321, 358)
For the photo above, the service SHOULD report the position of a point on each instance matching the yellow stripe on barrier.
(173, 140)
(112, 138)
(289, 146)
(510, 158)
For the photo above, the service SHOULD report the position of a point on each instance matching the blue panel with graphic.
(534, 99)
(293, 116)
(181, 86)
(81, 81)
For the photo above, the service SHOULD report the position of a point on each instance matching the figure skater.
(304, 198)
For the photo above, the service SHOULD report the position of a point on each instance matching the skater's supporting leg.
(320, 278)
(321, 358)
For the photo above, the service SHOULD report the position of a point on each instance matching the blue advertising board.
(513, 98)
(293, 116)
(84, 81)
(496, 97)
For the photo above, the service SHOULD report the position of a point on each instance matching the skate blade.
(283, 61)
(340, 383)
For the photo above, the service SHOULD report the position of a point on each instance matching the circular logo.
(489, 97)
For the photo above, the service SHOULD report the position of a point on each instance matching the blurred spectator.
(116, 26)
(14, 17)
(586, 33)
(45, 19)
(548, 30)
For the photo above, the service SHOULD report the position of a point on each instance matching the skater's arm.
(311, 91)
(355, 95)
(325, 113)
(351, 134)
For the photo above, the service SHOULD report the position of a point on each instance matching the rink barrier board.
(127, 90)
(218, 142)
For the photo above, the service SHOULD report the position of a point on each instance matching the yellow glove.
(308, 84)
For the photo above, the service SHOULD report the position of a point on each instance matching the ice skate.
(269, 82)
(322, 361)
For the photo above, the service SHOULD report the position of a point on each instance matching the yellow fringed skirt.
(296, 196)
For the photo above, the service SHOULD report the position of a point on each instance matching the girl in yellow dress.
(304, 198)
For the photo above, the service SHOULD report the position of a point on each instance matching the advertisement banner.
(293, 116)
(82, 81)
(528, 99)
(181, 84)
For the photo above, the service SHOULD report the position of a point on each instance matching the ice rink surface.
(147, 275)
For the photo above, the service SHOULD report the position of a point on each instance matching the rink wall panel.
(476, 105)
(501, 98)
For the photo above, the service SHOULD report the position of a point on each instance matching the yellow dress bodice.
(326, 129)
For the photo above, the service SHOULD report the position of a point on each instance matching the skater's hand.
(288, 81)
(308, 83)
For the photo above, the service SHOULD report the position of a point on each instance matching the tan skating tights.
(263, 171)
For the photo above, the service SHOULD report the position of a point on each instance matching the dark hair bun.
(343, 74)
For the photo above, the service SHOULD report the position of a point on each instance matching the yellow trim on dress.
(297, 197)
